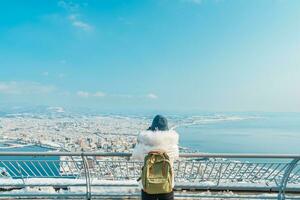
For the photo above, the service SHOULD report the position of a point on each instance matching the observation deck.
(93, 175)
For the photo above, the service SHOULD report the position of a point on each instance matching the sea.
(274, 133)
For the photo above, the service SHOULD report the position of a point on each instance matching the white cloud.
(74, 15)
(199, 2)
(83, 94)
(45, 73)
(129, 96)
(23, 88)
(86, 94)
(152, 96)
(82, 25)
(193, 1)
(68, 5)
(78, 23)
(99, 94)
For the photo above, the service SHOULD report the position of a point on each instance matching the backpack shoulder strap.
(159, 152)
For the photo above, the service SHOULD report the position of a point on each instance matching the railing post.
(285, 178)
(20, 172)
(219, 174)
(87, 177)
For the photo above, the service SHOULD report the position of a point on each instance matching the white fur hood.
(156, 140)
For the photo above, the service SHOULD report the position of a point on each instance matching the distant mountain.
(36, 111)
(56, 109)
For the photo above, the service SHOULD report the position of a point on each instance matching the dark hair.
(159, 123)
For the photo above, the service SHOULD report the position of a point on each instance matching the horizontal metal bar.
(184, 155)
(101, 195)
(230, 155)
(65, 154)
(137, 195)
(184, 195)
(256, 189)
(37, 194)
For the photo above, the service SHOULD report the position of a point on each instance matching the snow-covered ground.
(99, 187)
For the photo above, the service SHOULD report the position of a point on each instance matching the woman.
(157, 137)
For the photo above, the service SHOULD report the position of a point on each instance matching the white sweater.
(156, 140)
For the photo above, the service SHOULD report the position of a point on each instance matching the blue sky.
(218, 55)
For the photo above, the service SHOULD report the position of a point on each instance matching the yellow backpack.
(157, 174)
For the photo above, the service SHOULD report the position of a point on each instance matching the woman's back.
(157, 137)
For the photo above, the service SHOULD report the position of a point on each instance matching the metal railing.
(98, 175)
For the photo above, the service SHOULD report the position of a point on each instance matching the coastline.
(13, 143)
